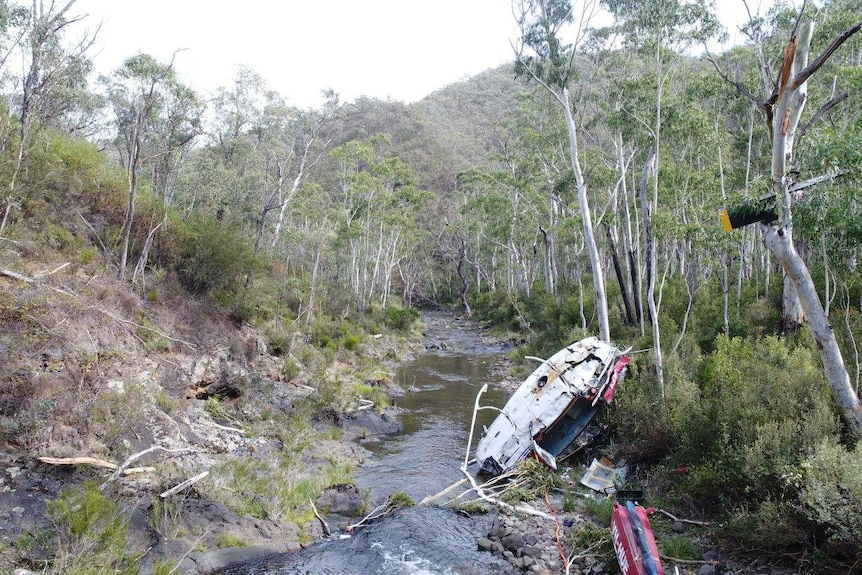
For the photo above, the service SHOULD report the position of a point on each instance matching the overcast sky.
(399, 49)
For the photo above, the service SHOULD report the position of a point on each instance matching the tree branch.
(806, 72)
(823, 109)
(740, 88)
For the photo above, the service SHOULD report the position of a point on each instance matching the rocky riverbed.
(199, 534)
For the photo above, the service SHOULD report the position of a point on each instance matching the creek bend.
(420, 460)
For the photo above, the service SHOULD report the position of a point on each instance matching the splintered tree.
(783, 110)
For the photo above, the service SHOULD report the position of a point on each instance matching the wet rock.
(513, 541)
(344, 499)
(485, 545)
(498, 529)
(369, 422)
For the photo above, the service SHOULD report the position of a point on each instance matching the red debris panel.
(634, 542)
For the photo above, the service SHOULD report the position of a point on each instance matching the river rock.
(513, 541)
(369, 422)
(344, 499)
(678, 527)
(711, 555)
(485, 544)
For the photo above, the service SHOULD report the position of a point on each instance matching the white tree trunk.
(779, 238)
(780, 242)
(589, 236)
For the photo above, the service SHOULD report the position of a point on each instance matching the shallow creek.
(423, 458)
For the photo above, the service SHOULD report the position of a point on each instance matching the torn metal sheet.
(553, 405)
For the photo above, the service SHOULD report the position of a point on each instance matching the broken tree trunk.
(789, 100)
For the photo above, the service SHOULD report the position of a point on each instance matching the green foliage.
(113, 414)
(86, 256)
(680, 547)
(471, 508)
(399, 500)
(399, 318)
(165, 402)
(60, 238)
(91, 531)
(769, 524)
(831, 495)
(227, 539)
(211, 256)
(290, 370)
(279, 343)
(217, 410)
(601, 510)
(590, 538)
(335, 334)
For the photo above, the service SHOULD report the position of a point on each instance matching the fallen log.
(430, 498)
(95, 463)
(673, 517)
(184, 484)
(326, 529)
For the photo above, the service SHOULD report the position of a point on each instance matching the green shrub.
(592, 539)
(399, 318)
(399, 499)
(290, 370)
(211, 256)
(60, 238)
(831, 494)
(86, 256)
(91, 530)
(768, 524)
(351, 342)
(279, 344)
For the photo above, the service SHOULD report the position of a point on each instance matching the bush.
(831, 495)
(92, 533)
(210, 256)
(399, 318)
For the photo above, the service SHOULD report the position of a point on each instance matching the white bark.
(589, 236)
(779, 239)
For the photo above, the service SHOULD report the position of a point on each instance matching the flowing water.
(420, 460)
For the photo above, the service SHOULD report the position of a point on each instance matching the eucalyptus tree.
(661, 27)
(172, 135)
(291, 145)
(535, 159)
(51, 65)
(543, 57)
(377, 199)
(144, 94)
(783, 108)
(229, 174)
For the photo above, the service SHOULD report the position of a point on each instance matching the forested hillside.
(576, 191)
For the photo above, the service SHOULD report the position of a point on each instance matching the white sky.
(399, 49)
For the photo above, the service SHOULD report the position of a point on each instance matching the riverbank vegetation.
(233, 269)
